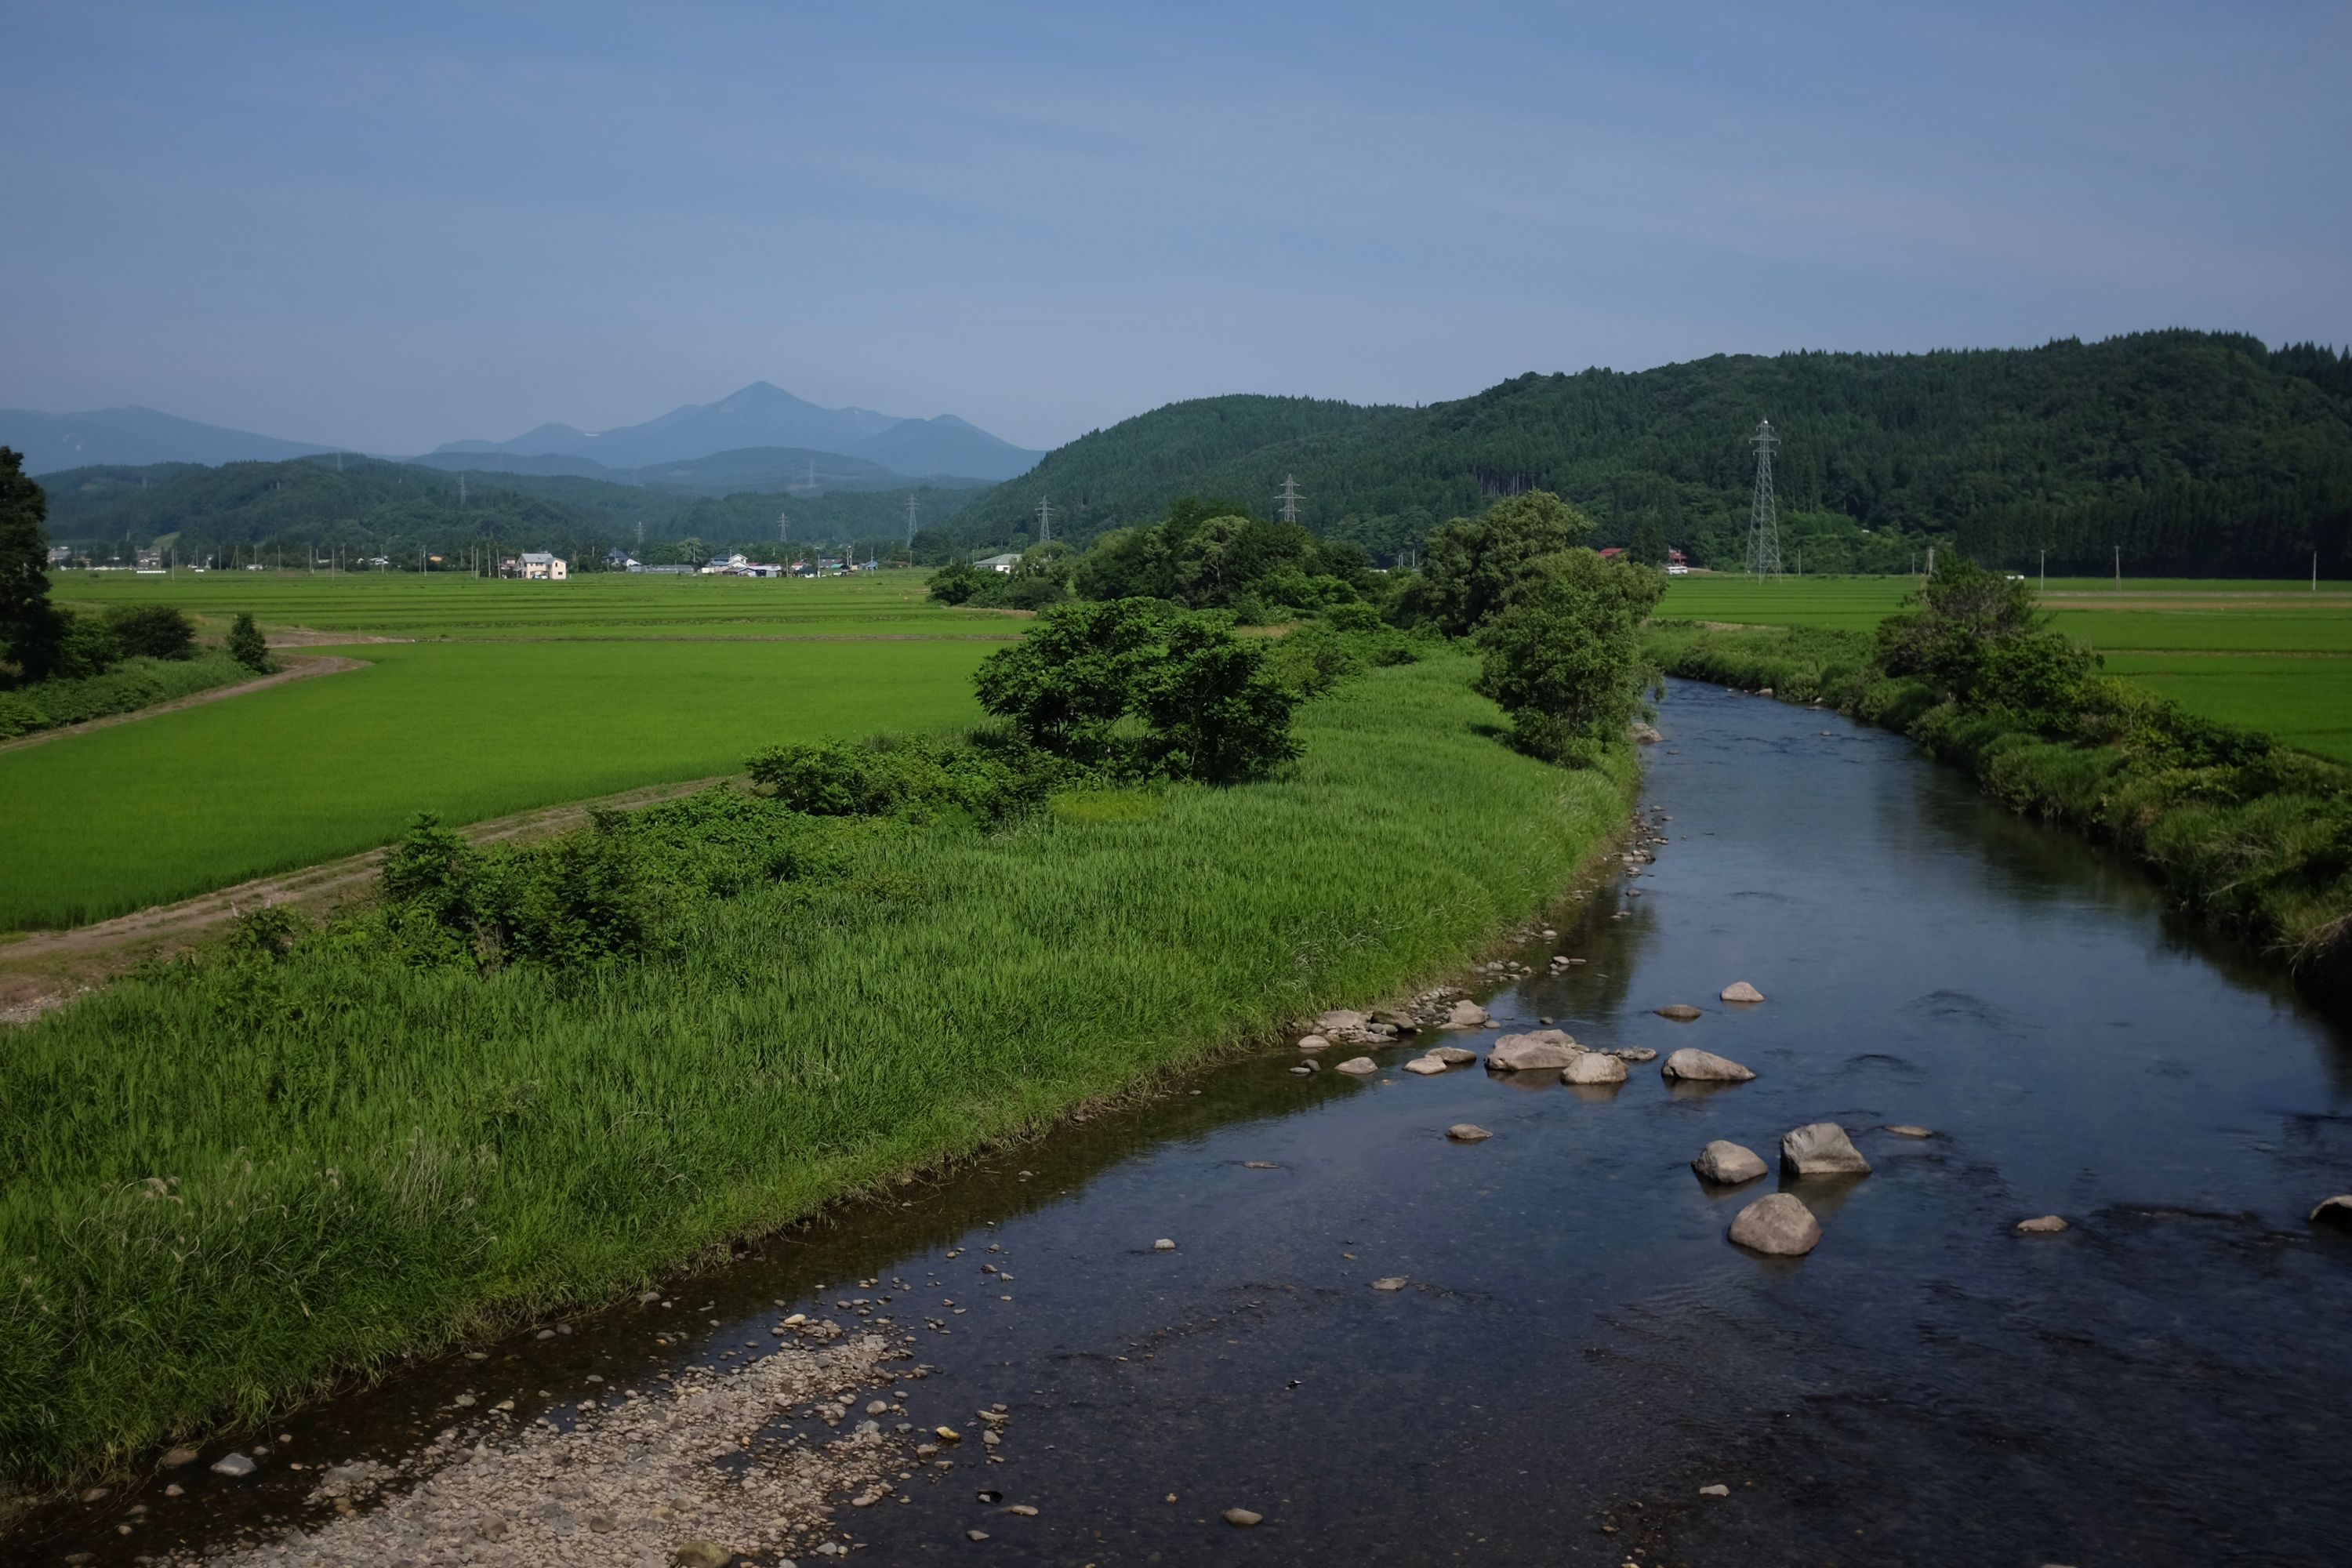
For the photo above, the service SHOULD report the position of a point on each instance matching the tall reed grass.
(223, 1184)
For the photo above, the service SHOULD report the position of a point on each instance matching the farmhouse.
(537, 565)
(1004, 562)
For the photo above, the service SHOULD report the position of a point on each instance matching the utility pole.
(1763, 516)
(1045, 519)
(1931, 561)
(2045, 572)
(1290, 498)
(2119, 568)
(2315, 571)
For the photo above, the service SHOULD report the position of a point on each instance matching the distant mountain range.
(746, 470)
(762, 415)
(858, 444)
(133, 435)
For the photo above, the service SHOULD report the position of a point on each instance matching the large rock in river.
(1360, 1067)
(1545, 1048)
(1740, 991)
(1424, 1066)
(1703, 1067)
(1465, 1015)
(1593, 1068)
(1680, 1012)
(1454, 1056)
(2337, 1210)
(1777, 1224)
(1728, 1163)
(1821, 1149)
(1340, 1021)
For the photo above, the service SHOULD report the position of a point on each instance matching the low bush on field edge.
(2254, 835)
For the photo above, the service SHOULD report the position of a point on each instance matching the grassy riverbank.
(2253, 835)
(223, 1185)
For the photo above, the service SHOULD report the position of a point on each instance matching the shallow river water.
(1578, 1349)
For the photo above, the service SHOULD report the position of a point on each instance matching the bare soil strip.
(45, 969)
(301, 667)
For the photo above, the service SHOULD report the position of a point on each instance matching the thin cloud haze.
(393, 228)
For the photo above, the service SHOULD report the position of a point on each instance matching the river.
(1578, 1350)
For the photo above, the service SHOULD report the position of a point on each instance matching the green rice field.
(2276, 656)
(617, 682)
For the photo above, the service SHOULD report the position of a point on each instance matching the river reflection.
(1577, 1351)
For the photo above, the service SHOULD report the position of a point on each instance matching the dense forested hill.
(2195, 452)
(1128, 473)
(366, 507)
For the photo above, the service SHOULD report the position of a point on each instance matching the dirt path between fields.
(301, 667)
(45, 969)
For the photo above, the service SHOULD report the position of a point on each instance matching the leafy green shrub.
(1313, 659)
(247, 645)
(1212, 710)
(911, 778)
(1473, 562)
(957, 582)
(1004, 591)
(1066, 684)
(1209, 554)
(1216, 714)
(578, 898)
(150, 631)
(1563, 655)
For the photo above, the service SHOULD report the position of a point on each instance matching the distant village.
(732, 565)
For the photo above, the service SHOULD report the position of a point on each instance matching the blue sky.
(389, 227)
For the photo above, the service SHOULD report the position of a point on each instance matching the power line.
(1763, 516)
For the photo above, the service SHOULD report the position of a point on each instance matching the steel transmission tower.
(1290, 498)
(1045, 519)
(910, 522)
(1763, 520)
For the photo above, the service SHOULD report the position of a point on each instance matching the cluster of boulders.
(1780, 1224)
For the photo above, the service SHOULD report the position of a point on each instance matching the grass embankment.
(133, 684)
(225, 1183)
(2256, 837)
